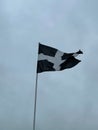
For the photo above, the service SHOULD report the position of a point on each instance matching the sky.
(67, 99)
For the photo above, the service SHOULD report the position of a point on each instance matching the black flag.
(51, 59)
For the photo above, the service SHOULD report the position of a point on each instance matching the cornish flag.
(51, 59)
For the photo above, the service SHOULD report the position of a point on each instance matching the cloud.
(66, 100)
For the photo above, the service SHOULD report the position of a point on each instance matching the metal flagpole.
(35, 100)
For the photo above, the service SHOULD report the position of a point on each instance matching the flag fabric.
(51, 59)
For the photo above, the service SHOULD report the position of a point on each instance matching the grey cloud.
(66, 100)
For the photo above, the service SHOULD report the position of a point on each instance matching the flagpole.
(35, 100)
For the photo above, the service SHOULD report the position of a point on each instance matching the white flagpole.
(35, 100)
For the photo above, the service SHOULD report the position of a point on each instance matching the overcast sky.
(66, 100)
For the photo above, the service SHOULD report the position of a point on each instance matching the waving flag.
(51, 59)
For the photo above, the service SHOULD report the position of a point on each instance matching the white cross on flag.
(51, 59)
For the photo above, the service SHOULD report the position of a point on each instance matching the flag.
(51, 59)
